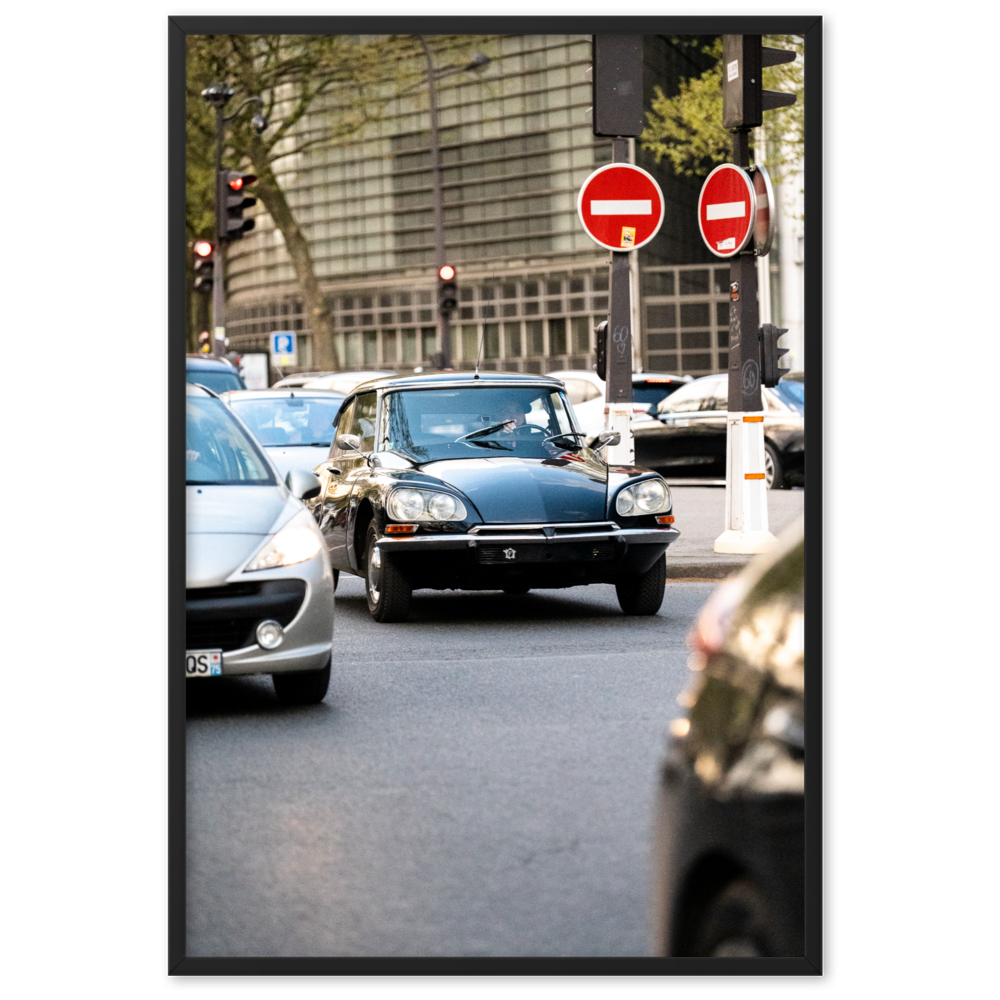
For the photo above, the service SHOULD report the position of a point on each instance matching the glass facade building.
(516, 144)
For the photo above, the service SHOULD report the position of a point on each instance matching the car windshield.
(792, 394)
(289, 421)
(433, 424)
(218, 380)
(653, 391)
(219, 450)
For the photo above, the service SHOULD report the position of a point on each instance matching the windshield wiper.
(495, 445)
(484, 431)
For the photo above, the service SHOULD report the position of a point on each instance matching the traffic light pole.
(746, 491)
(218, 270)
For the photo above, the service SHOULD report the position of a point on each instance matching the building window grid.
(683, 359)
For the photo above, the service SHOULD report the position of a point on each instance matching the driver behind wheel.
(512, 415)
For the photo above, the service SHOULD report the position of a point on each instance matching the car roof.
(457, 378)
(199, 361)
(284, 393)
(197, 390)
(636, 376)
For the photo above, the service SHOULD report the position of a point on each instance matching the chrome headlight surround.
(408, 503)
(651, 496)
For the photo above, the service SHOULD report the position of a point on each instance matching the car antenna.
(483, 334)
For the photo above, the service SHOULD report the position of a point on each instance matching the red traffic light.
(238, 182)
(446, 272)
(203, 248)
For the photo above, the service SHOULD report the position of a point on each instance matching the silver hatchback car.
(259, 584)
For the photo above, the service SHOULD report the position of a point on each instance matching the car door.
(708, 450)
(672, 447)
(335, 491)
(356, 474)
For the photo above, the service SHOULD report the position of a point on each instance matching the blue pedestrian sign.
(283, 348)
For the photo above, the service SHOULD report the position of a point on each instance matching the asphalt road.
(479, 781)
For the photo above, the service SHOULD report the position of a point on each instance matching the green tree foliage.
(316, 90)
(686, 127)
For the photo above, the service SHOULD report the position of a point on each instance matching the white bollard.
(746, 492)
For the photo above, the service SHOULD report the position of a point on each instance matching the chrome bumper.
(632, 536)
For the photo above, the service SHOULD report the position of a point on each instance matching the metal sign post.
(727, 218)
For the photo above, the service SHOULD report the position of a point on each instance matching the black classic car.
(687, 438)
(484, 482)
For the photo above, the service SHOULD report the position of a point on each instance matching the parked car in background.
(730, 831)
(259, 584)
(297, 381)
(585, 391)
(454, 481)
(295, 426)
(686, 438)
(344, 382)
(216, 374)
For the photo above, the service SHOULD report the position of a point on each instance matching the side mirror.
(606, 438)
(349, 442)
(303, 485)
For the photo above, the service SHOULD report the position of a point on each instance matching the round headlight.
(269, 634)
(441, 506)
(406, 505)
(624, 503)
(651, 495)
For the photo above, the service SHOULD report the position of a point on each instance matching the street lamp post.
(218, 95)
(478, 62)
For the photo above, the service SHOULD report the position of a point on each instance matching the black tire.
(387, 590)
(643, 593)
(774, 473)
(516, 588)
(736, 924)
(307, 687)
(336, 579)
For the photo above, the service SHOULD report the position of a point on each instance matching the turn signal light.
(665, 519)
(400, 529)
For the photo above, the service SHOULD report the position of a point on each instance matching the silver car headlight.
(424, 505)
(648, 497)
(296, 542)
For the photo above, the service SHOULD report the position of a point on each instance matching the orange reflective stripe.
(754, 475)
(753, 420)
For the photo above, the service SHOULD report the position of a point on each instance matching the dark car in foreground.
(687, 438)
(484, 482)
(216, 374)
(730, 832)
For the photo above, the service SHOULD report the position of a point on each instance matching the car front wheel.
(306, 687)
(736, 925)
(387, 590)
(774, 475)
(642, 594)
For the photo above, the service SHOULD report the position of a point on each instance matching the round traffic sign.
(763, 229)
(620, 206)
(727, 208)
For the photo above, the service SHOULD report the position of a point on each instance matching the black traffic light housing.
(771, 355)
(744, 99)
(602, 350)
(617, 85)
(203, 253)
(447, 289)
(230, 203)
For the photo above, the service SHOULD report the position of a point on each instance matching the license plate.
(204, 663)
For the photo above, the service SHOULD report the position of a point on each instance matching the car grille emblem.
(510, 553)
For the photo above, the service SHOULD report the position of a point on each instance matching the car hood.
(227, 524)
(305, 458)
(520, 490)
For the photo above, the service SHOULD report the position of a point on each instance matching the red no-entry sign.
(727, 209)
(620, 206)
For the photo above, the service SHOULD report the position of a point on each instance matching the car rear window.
(654, 391)
(217, 380)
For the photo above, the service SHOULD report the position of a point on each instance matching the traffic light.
(230, 202)
(204, 265)
(447, 289)
(743, 96)
(617, 85)
(602, 350)
(771, 355)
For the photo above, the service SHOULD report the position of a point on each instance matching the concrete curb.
(688, 567)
